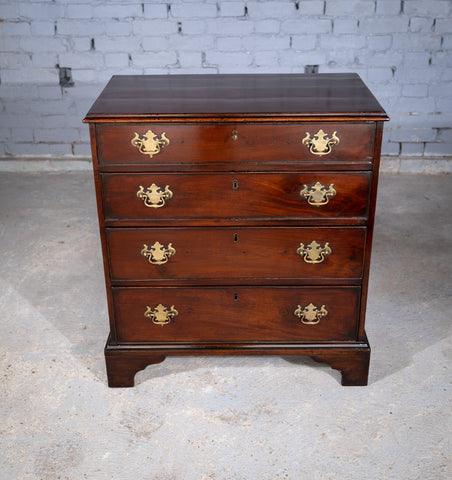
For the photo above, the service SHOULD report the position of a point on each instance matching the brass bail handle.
(161, 315)
(310, 314)
(154, 196)
(158, 254)
(320, 143)
(150, 144)
(314, 252)
(317, 194)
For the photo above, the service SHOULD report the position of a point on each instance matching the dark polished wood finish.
(227, 96)
(244, 255)
(211, 144)
(236, 314)
(236, 165)
(202, 198)
(351, 359)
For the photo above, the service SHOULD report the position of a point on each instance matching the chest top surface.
(231, 96)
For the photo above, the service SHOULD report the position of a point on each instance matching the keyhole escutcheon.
(235, 184)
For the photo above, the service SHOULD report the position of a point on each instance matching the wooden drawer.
(238, 255)
(200, 143)
(234, 195)
(236, 314)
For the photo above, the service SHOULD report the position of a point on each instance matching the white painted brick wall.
(402, 49)
(232, 9)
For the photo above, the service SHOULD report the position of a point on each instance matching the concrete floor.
(215, 418)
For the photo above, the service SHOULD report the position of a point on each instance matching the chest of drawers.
(236, 216)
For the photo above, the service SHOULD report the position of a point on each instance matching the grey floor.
(218, 418)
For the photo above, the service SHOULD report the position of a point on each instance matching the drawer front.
(182, 143)
(236, 314)
(158, 197)
(239, 254)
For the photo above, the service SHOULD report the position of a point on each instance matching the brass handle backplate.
(314, 252)
(320, 144)
(318, 194)
(157, 254)
(149, 143)
(161, 315)
(154, 196)
(310, 314)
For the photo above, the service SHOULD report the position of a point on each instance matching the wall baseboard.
(422, 165)
(49, 163)
(45, 163)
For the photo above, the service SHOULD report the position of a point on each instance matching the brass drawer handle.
(310, 315)
(154, 196)
(320, 144)
(161, 315)
(318, 194)
(314, 252)
(149, 143)
(157, 254)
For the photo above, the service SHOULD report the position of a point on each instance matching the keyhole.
(235, 185)
(236, 296)
(236, 237)
(235, 134)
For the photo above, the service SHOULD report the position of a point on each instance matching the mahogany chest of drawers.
(236, 216)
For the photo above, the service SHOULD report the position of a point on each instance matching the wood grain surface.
(212, 197)
(218, 143)
(236, 95)
(238, 255)
(236, 314)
